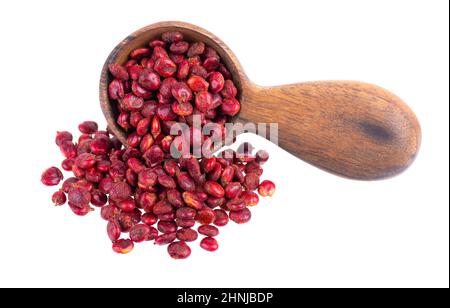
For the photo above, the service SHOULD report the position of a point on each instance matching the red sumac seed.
(166, 181)
(191, 200)
(230, 106)
(167, 226)
(185, 181)
(203, 101)
(139, 233)
(134, 71)
(79, 196)
(172, 36)
(229, 90)
(227, 175)
(139, 91)
(179, 47)
(209, 244)
(149, 219)
(174, 198)
(215, 202)
(205, 216)
(214, 189)
(123, 246)
(176, 58)
(85, 161)
(251, 198)
(179, 250)
(266, 188)
(241, 216)
(119, 191)
(139, 53)
(197, 84)
(181, 92)
(88, 127)
(162, 207)
(185, 213)
(109, 212)
(59, 198)
(165, 238)
(127, 205)
(183, 69)
(113, 230)
(221, 217)
(52, 176)
(68, 149)
(165, 113)
(131, 102)
(165, 67)
(155, 43)
(196, 49)
(233, 189)
(118, 71)
(63, 137)
(208, 230)
(187, 234)
(216, 81)
(251, 181)
(185, 223)
(211, 64)
(149, 80)
(98, 198)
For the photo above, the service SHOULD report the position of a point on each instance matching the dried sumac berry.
(123, 246)
(52, 176)
(209, 244)
(179, 250)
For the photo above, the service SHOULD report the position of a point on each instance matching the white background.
(319, 230)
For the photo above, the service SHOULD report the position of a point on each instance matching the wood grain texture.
(351, 129)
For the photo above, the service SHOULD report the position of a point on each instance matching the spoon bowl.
(140, 38)
(349, 128)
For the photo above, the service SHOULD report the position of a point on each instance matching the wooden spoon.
(352, 129)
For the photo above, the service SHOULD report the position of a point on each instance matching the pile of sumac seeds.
(155, 189)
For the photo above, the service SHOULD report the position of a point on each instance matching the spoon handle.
(352, 129)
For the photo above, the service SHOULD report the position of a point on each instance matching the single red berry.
(179, 250)
(172, 36)
(214, 189)
(187, 234)
(59, 198)
(241, 216)
(251, 198)
(216, 81)
(205, 216)
(113, 230)
(262, 156)
(123, 246)
(165, 238)
(79, 196)
(52, 176)
(88, 127)
(266, 188)
(209, 244)
(197, 83)
(208, 230)
(230, 106)
(165, 67)
(98, 198)
(139, 53)
(118, 71)
(149, 80)
(140, 233)
(62, 137)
